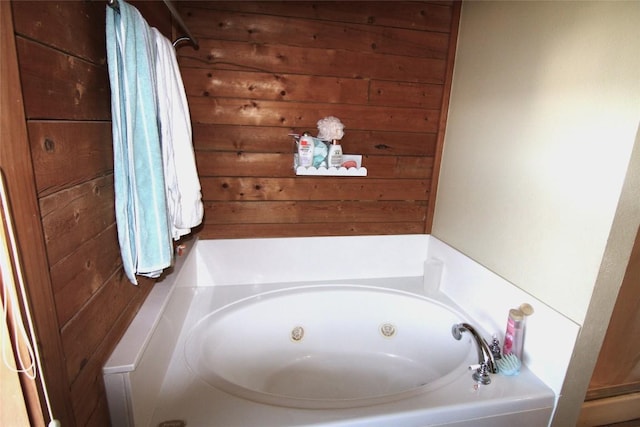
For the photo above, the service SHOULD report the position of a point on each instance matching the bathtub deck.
(183, 396)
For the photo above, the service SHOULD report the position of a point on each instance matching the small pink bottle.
(513, 337)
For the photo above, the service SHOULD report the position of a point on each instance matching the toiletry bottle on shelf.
(335, 155)
(305, 150)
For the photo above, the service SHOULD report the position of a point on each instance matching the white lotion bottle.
(334, 158)
(305, 151)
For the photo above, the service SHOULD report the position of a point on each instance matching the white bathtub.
(329, 346)
(150, 378)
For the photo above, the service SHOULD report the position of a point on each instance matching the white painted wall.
(544, 111)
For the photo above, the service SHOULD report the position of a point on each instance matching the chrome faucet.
(486, 362)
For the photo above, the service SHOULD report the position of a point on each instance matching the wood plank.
(53, 143)
(74, 216)
(611, 410)
(156, 14)
(274, 86)
(58, 86)
(265, 139)
(100, 415)
(87, 389)
(325, 34)
(399, 167)
(427, 16)
(403, 94)
(289, 87)
(83, 334)
(17, 166)
(389, 143)
(227, 55)
(240, 138)
(213, 163)
(305, 212)
(60, 27)
(250, 112)
(277, 189)
(240, 231)
(78, 276)
(612, 389)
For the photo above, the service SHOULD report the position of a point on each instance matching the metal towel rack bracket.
(176, 16)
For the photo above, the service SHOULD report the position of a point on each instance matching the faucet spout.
(486, 361)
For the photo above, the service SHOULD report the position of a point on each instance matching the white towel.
(184, 197)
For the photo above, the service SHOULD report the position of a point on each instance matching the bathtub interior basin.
(329, 346)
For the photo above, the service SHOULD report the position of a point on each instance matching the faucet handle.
(481, 374)
(495, 348)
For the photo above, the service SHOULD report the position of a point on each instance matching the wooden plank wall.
(62, 63)
(266, 69)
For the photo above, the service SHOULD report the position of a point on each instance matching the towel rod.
(174, 12)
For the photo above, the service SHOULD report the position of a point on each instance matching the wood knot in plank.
(49, 145)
